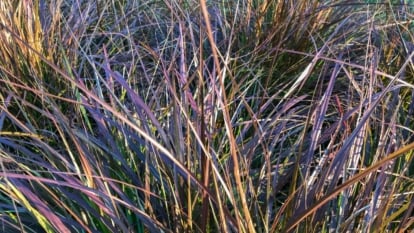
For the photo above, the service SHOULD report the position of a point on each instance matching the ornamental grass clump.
(196, 116)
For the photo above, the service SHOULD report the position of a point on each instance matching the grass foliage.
(206, 116)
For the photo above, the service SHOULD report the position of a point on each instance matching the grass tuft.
(206, 116)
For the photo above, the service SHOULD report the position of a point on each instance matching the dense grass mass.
(206, 116)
